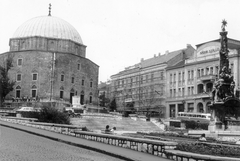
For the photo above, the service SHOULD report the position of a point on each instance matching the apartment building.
(191, 81)
(142, 87)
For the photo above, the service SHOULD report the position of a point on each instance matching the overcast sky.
(118, 33)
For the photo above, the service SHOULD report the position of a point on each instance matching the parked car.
(28, 109)
(72, 112)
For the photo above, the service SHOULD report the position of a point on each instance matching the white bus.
(201, 117)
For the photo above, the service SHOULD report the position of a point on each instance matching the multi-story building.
(50, 64)
(142, 87)
(191, 81)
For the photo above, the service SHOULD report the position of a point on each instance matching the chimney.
(159, 54)
(167, 52)
(189, 45)
(142, 60)
(154, 55)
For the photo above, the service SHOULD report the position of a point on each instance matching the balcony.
(204, 95)
(209, 77)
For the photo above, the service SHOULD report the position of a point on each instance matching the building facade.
(142, 87)
(191, 81)
(50, 64)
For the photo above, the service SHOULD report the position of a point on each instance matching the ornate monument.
(224, 102)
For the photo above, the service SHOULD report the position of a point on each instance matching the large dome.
(48, 26)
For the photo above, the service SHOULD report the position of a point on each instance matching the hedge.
(210, 149)
(195, 125)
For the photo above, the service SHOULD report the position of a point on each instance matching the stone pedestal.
(215, 126)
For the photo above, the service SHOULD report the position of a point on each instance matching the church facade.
(50, 64)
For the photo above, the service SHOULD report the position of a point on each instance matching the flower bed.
(210, 149)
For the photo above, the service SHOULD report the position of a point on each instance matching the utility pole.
(160, 102)
(139, 87)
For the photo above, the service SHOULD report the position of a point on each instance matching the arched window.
(200, 88)
(209, 87)
(200, 108)
(208, 110)
(61, 92)
(91, 83)
(18, 92)
(90, 97)
(82, 98)
(34, 91)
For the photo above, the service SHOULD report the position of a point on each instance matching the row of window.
(190, 90)
(73, 80)
(200, 72)
(34, 93)
(35, 78)
(20, 62)
(181, 92)
(138, 79)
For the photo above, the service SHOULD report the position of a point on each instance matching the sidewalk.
(122, 153)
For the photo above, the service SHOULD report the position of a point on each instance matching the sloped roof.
(160, 59)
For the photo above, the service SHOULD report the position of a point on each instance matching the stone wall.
(49, 67)
(47, 44)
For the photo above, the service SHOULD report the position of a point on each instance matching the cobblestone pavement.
(20, 146)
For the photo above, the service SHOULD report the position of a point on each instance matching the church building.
(50, 64)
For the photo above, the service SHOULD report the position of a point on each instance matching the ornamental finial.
(49, 14)
(224, 24)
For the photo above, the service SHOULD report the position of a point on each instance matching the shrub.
(29, 114)
(52, 115)
(209, 149)
(195, 125)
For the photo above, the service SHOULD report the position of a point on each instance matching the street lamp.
(139, 68)
(160, 104)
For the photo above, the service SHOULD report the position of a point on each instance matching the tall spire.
(49, 14)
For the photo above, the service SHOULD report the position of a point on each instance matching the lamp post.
(160, 104)
(139, 87)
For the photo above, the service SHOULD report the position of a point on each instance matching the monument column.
(224, 102)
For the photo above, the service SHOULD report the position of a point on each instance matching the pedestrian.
(202, 138)
(113, 129)
(107, 129)
(238, 142)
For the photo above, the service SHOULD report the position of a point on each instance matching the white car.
(27, 109)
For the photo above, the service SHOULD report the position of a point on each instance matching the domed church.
(50, 64)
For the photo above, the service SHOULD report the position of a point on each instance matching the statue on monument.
(225, 104)
(224, 84)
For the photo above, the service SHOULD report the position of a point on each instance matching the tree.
(113, 105)
(6, 85)
(103, 101)
(148, 96)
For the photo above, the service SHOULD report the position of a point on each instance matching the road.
(16, 145)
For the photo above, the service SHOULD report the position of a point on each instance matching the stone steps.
(125, 124)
